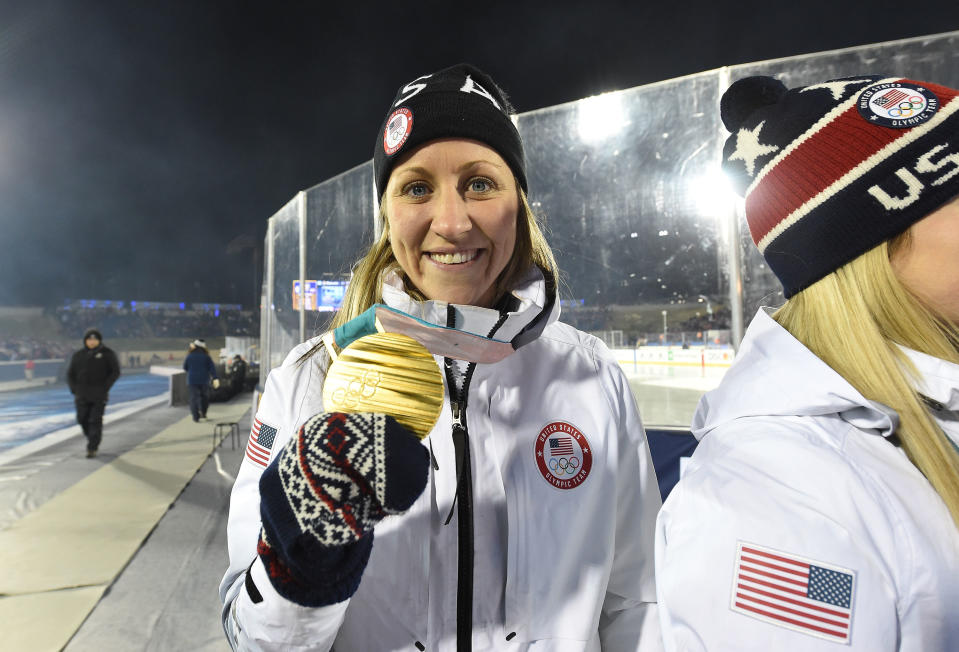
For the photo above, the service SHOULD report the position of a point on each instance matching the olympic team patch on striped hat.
(898, 104)
(260, 445)
(786, 590)
(831, 170)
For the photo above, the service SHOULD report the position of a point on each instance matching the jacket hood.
(774, 374)
(92, 331)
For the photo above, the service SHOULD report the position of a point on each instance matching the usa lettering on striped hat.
(831, 170)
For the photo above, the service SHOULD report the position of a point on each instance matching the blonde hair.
(366, 284)
(863, 307)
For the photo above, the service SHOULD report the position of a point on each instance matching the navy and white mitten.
(321, 497)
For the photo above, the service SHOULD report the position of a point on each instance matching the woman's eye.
(480, 185)
(416, 190)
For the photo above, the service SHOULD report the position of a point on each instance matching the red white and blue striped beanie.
(831, 170)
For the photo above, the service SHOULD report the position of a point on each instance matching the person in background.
(524, 520)
(820, 509)
(238, 369)
(200, 371)
(92, 372)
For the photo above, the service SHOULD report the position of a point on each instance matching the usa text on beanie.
(831, 170)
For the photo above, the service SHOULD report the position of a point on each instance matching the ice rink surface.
(669, 400)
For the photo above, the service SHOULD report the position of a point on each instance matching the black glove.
(321, 497)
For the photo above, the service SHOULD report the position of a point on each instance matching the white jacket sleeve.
(629, 619)
(255, 616)
(770, 544)
(274, 624)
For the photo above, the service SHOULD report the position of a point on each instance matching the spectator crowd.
(124, 322)
(61, 340)
(31, 348)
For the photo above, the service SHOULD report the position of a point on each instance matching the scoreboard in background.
(322, 296)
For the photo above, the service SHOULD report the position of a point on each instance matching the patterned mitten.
(321, 497)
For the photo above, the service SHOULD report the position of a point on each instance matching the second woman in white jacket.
(819, 510)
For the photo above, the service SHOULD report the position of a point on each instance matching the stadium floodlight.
(600, 117)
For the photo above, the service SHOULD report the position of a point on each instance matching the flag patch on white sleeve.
(260, 444)
(794, 592)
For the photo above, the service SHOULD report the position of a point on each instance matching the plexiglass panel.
(285, 325)
(339, 228)
(627, 183)
(266, 315)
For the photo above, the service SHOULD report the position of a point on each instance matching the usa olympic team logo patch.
(899, 105)
(563, 455)
(398, 128)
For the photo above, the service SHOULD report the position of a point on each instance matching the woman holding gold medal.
(508, 454)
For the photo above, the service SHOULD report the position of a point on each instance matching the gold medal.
(387, 373)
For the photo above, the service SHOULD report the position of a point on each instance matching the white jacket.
(797, 525)
(564, 569)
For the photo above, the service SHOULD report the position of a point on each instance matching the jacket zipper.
(464, 523)
(463, 499)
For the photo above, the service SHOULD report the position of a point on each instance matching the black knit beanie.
(831, 170)
(457, 102)
(94, 332)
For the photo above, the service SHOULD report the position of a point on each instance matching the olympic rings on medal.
(349, 398)
(563, 465)
(907, 108)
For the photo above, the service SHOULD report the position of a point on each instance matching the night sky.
(143, 145)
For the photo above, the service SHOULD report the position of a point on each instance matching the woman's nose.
(451, 216)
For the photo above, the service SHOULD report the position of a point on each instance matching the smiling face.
(452, 206)
(928, 262)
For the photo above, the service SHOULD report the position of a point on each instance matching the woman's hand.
(322, 496)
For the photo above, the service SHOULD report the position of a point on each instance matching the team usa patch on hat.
(563, 455)
(398, 129)
(794, 592)
(262, 436)
(898, 104)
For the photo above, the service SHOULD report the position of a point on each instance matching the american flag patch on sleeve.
(794, 592)
(261, 443)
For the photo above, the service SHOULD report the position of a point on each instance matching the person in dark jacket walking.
(92, 372)
(199, 370)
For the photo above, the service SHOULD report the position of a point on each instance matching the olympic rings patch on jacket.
(563, 455)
